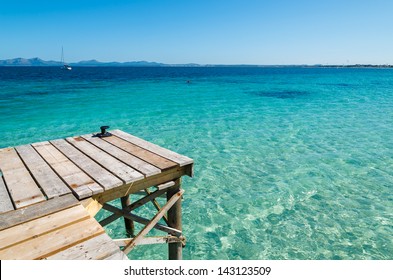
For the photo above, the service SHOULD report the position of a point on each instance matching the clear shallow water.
(290, 163)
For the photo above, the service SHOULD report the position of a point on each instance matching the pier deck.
(50, 192)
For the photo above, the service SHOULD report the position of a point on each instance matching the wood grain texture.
(21, 186)
(77, 180)
(180, 159)
(36, 211)
(102, 176)
(53, 242)
(46, 178)
(154, 159)
(116, 167)
(133, 161)
(5, 200)
(32, 229)
(97, 248)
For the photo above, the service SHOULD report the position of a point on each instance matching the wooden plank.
(153, 221)
(5, 200)
(102, 176)
(21, 186)
(32, 229)
(91, 205)
(121, 170)
(165, 176)
(36, 211)
(133, 161)
(43, 174)
(53, 242)
(150, 240)
(180, 159)
(165, 185)
(97, 248)
(139, 152)
(79, 182)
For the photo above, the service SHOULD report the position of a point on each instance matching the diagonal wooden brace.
(157, 206)
(153, 221)
(143, 221)
(131, 207)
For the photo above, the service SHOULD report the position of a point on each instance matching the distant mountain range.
(39, 62)
(94, 63)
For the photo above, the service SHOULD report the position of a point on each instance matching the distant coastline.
(37, 62)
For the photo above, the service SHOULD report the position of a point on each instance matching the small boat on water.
(65, 65)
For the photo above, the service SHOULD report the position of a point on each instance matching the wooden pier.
(51, 191)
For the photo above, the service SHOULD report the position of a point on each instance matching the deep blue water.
(290, 163)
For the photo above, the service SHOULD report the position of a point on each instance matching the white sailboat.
(65, 66)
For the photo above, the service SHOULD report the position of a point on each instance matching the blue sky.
(199, 31)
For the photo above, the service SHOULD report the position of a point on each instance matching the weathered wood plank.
(133, 161)
(32, 229)
(21, 186)
(180, 159)
(153, 221)
(91, 205)
(53, 242)
(121, 170)
(43, 174)
(139, 152)
(79, 182)
(97, 248)
(93, 169)
(36, 211)
(5, 200)
(165, 176)
(149, 240)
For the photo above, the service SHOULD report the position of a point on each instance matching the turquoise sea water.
(290, 163)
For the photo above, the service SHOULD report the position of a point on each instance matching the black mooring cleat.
(103, 133)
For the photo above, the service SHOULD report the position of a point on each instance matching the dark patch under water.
(281, 94)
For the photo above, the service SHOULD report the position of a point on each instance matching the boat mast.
(62, 55)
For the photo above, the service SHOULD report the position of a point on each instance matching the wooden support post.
(130, 229)
(174, 220)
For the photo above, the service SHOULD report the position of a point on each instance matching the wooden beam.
(150, 240)
(141, 220)
(91, 205)
(128, 224)
(175, 221)
(154, 180)
(157, 206)
(131, 207)
(154, 221)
